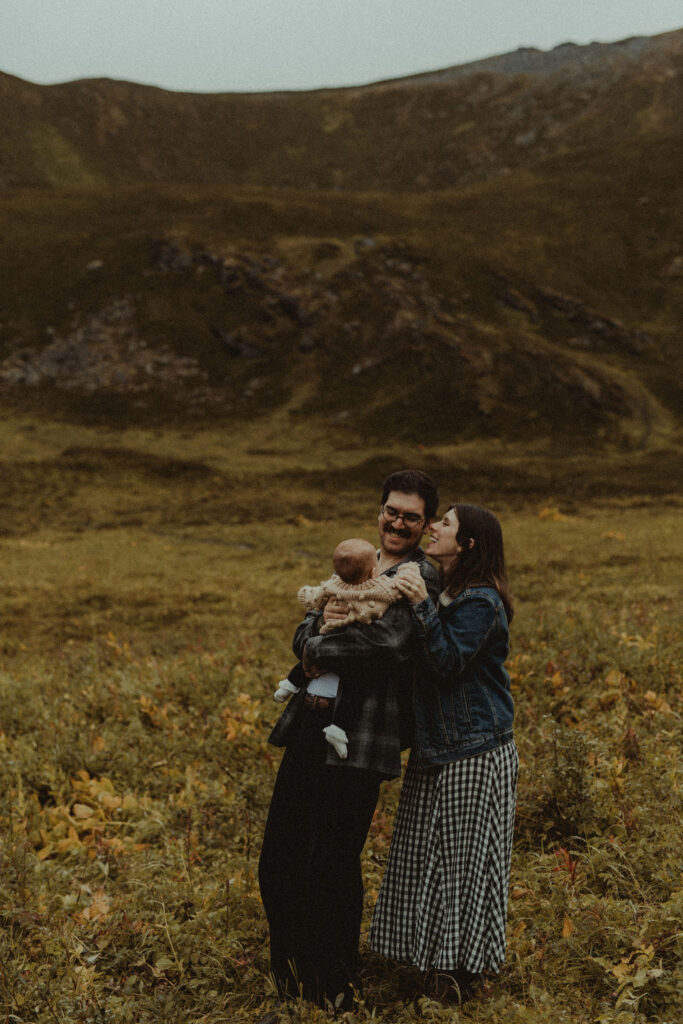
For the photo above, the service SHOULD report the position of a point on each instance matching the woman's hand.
(411, 584)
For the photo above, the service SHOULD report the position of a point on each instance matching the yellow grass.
(140, 644)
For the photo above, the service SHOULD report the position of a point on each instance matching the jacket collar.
(416, 555)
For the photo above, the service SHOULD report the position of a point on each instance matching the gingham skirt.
(443, 899)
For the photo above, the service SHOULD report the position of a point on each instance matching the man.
(322, 806)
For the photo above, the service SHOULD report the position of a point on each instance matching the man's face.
(397, 537)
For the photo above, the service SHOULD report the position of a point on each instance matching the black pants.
(309, 871)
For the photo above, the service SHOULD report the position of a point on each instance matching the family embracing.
(394, 654)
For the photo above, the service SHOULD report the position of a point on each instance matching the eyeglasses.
(392, 514)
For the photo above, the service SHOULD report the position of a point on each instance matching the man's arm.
(304, 631)
(363, 647)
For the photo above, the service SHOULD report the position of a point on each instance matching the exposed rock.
(597, 328)
(236, 344)
(291, 320)
(673, 269)
(366, 363)
(289, 304)
(515, 300)
(102, 353)
(170, 254)
(326, 250)
(566, 58)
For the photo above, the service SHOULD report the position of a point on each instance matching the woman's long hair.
(482, 562)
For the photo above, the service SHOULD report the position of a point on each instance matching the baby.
(367, 596)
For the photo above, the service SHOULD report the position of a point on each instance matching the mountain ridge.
(530, 60)
(414, 133)
(522, 60)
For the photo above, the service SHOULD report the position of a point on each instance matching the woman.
(443, 900)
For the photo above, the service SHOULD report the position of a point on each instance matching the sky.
(268, 45)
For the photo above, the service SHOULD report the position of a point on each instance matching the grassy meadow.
(148, 603)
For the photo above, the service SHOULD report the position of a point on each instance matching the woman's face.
(442, 543)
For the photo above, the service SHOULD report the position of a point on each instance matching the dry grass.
(135, 678)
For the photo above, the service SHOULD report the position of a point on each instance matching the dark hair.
(482, 562)
(413, 481)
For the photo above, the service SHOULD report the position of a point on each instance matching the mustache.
(399, 533)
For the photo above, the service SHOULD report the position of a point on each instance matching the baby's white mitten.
(338, 738)
(284, 691)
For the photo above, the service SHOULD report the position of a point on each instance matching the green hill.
(492, 250)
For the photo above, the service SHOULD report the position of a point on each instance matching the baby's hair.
(354, 560)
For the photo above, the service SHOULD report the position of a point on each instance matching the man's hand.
(411, 584)
(335, 611)
(310, 669)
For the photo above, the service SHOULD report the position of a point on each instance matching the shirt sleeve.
(451, 644)
(366, 647)
(431, 578)
(304, 631)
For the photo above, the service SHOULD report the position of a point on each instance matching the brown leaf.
(97, 910)
(82, 811)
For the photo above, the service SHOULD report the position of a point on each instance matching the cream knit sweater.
(366, 601)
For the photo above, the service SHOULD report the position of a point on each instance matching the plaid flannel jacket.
(380, 657)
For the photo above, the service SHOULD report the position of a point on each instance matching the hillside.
(440, 130)
(494, 248)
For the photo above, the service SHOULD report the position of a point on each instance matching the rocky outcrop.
(103, 353)
(563, 60)
(385, 349)
(594, 330)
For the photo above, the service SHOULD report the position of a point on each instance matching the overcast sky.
(255, 45)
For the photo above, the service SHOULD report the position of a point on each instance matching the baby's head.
(355, 560)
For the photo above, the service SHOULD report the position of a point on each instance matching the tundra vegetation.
(148, 602)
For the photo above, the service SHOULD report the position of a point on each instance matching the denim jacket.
(462, 702)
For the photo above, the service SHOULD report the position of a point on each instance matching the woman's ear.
(471, 543)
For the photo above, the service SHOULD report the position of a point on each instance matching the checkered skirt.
(443, 899)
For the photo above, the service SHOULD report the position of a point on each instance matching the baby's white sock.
(284, 691)
(338, 738)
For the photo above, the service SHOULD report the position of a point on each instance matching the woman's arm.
(452, 643)
(449, 644)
